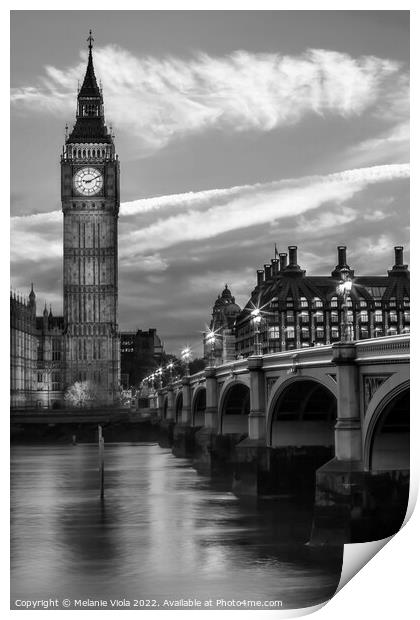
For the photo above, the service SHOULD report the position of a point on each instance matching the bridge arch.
(178, 407)
(234, 407)
(198, 407)
(387, 427)
(302, 411)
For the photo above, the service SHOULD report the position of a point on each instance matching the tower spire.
(90, 40)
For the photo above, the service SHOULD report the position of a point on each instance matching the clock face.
(88, 181)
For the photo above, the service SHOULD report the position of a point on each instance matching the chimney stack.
(267, 271)
(342, 256)
(283, 261)
(274, 266)
(399, 266)
(293, 256)
(260, 276)
(342, 263)
(399, 255)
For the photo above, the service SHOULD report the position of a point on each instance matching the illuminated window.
(304, 317)
(393, 316)
(364, 316)
(316, 302)
(334, 317)
(290, 332)
(364, 332)
(303, 302)
(334, 302)
(378, 316)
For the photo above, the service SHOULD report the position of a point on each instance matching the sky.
(236, 130)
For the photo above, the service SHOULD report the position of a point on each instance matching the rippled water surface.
(163, 532)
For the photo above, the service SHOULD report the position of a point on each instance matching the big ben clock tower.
(90, 202)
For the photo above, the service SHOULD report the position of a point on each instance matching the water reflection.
(163, 531)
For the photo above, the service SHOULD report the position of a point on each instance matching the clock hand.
(92, 179)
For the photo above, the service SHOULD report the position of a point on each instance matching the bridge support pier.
(340, 483)
(205, 438)
(252, 457)
(183, 433)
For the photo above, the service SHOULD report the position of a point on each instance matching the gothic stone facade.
(48, 353)
(90, 203)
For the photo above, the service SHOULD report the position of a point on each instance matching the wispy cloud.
(208, 214)
(159, 99)
(267, 203)
(178, 244)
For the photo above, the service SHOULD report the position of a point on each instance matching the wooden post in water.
(101, 461)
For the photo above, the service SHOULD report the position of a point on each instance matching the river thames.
(163, 532)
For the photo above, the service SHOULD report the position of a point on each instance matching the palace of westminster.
(50, 353)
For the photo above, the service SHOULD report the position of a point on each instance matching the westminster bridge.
(330, 422)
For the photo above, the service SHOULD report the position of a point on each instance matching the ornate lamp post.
(185, 357)
(170, 367)
(211, 340)
(256, 320)
(344, 289)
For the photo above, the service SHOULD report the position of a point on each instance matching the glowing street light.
(256, 320)
(185, 357)
(170, 367)
(344, 289)
(211, 340)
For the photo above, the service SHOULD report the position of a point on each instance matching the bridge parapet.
(392, 348)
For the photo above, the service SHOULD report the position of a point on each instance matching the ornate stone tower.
(90, 201)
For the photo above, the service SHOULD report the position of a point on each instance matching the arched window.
(364, 316)
(290, 316)
(317, 303)
(333, 302)
(304, 317)
(304, 332)
(335, 332)
(334, 316)
(364, 332)
(290, 332)
(393, 316)
(378, 316)
(303, 302)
